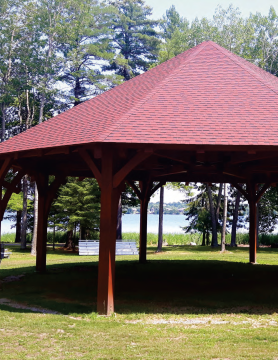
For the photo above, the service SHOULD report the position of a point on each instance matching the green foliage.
(254, 38)
(78, 203)
(268, 211)
(133, 37)
(197, 210)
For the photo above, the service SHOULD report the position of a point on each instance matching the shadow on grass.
(58, 250)
(159, 286)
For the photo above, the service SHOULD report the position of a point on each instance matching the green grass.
(170, 238)
(60, 237)
(186, 239)
(184, 303)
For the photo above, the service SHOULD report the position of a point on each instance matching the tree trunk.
(160, 224)
(42, 102)
(258, 218)
(36, 196)
(252, 230)
(18, 226)
(24, 212)
(3, 127)
(144, 186)
(204, 238)
(77, 92)
(235, 219)
(214, 242)
(218, 202)
(223, 234)
(81, 232)
(71, 245)
(119, 234)
(53, 237)
(207, 238)
(35, 230)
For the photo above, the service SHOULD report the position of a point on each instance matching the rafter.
(64, 150)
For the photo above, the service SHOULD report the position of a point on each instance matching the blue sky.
(206, 8)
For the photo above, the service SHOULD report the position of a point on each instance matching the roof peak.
(205, 95)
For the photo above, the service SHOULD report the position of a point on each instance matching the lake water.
(171, 223)
(131, 223)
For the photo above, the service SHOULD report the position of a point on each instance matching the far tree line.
(56, 54)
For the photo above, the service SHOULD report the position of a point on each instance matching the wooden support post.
(144, 201)
(42, 183)
(252, 223)
(107, 244)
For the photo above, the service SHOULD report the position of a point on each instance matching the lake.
(131, 223)
(171, 223)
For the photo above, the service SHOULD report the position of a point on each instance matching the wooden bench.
(91, 247)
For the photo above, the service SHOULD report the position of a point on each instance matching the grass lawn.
(185, 303)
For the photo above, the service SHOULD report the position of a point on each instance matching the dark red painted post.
(143, 222)
(252, 224)
(42, 182)
(107, 244)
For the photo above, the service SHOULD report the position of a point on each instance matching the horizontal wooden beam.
(63, 150)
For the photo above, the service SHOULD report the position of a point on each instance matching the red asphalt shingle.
(206, 95)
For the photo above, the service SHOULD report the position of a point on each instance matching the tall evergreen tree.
(134, 38)
(78, 203)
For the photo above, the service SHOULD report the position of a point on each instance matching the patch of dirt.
(16, 305)
(12, 278)
(204, 321)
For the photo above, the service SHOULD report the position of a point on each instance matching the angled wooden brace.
(5, 168)
(135, 189)
(241, 190)
(156, 187)
(130, 165)
(89, 161)
(10, 190)
(53, 191)
(262, 191)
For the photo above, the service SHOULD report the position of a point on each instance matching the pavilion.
(206, 115)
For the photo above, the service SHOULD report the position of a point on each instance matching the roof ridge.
(253, 73)
(126, 116)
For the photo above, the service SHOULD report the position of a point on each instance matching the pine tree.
(134, 38)
(78, 204)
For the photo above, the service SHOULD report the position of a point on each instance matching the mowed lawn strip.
(185, 303)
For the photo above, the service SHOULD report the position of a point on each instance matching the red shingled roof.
(206, 95)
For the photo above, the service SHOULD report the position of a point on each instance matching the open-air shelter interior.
(206, 115)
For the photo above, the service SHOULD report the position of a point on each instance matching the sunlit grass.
(184, 303)
(188, 302)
